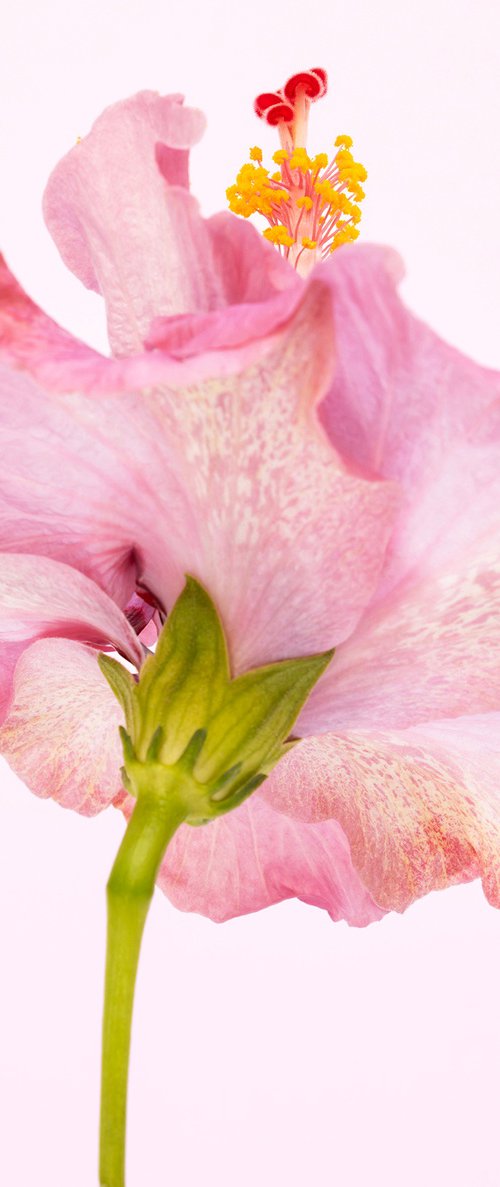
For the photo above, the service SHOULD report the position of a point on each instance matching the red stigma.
(278, 106)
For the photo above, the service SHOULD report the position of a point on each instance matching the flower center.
(310, 203)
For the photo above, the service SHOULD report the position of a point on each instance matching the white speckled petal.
(420, 807)
(432, 649)
(287, 540)
(60, 734)
(216, 466)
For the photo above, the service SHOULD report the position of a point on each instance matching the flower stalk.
(198, 742)
(129, 892)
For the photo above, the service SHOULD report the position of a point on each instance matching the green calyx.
(194, 732)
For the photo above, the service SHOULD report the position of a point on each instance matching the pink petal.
(119, 209)
(31, 341)
(430, 643)
(420, 807)
(406, 405)
(261, 293)
(9, 656)
(254, 857)
(124, 221)
(70, 489)
(250, 268)
(266, 515)
(40, 597)
(218, 468)
(432, 647)
(120, 212)
(61, 731)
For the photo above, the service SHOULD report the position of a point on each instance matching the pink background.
(278, 1049)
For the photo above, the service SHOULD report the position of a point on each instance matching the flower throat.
(310, 203)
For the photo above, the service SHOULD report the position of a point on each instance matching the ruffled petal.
(254, 857)
(60, 734)
(251, 269)
(42, 597)
(261, 293)
(407, 406)
(122, 217)
(217, 467)
(289, 543)
(432, 649)
(420, 807)
(119, 209)
(30, 340)
(70, 487)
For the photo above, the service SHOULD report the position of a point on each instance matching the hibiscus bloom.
(324, 464)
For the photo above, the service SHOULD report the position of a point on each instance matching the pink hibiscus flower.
(322, 462)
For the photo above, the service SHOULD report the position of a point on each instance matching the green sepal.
(257, 714)
(190, 725)
(124, 685)
(184, 682)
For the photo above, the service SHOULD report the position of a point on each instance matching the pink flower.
(322, 462)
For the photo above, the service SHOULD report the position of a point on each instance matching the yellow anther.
(305, 202)
(276, 176)
(252, 174)
(300, 160)
(278, 234)
(327, 193)
(320, 161)
(353, 173)
(357, 192)
(255, 153)
(345, 234)
(344, 158)
(280, 155)
(280, 195)
(343, 142)
(309, 243)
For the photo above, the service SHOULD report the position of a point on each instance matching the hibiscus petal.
(287, 540)
(61, 731)
(420, 807)
(218, 468)
(120, 212)
(39, 596)
(29, 339)
(69, 490)
(254, 857)
(261, 293)
(9, 656)
(436, 651)
(251, 269)
(406, 405)
(431, 649)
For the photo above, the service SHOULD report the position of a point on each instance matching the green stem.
(129, 893)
